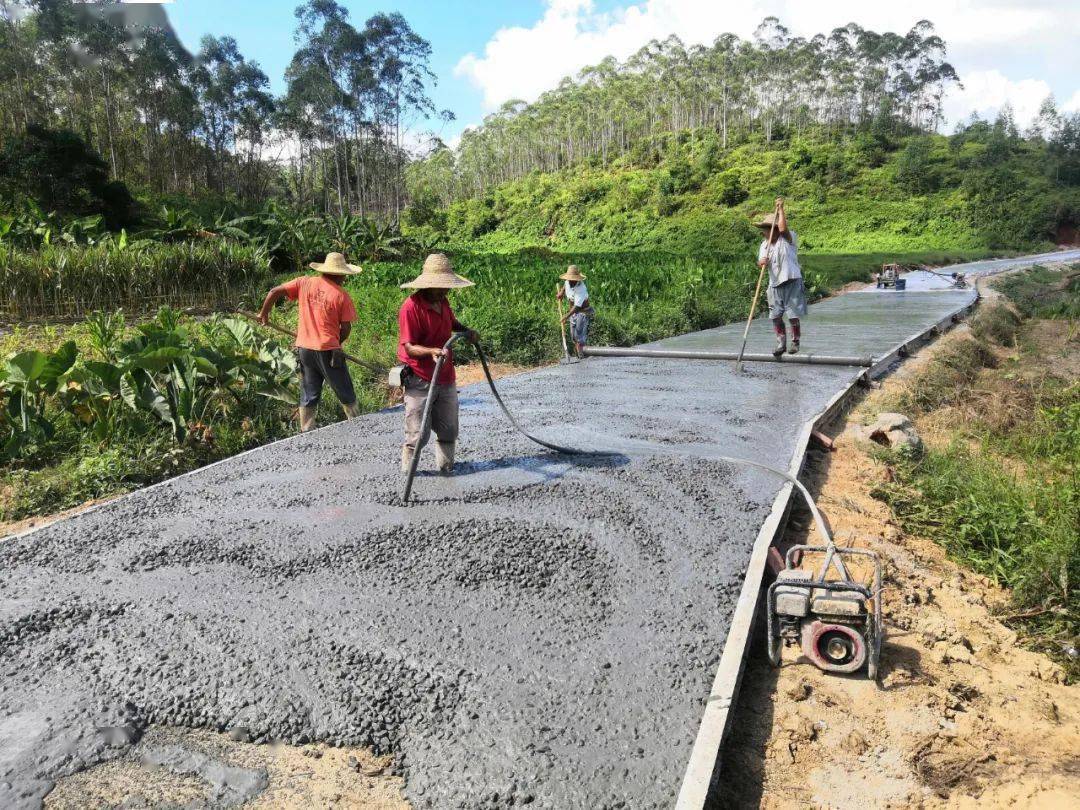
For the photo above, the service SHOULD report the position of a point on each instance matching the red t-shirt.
(324, 306)
(420, 324)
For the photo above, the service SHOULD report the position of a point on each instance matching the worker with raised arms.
(786, 292)
(425, 323)
(326, 314)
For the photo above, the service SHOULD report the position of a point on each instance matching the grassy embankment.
(997, 485)
(978, 190)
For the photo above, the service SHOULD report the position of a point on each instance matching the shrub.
(59, 172)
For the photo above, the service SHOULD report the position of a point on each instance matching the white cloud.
(987, 91)
(1073, 104)
(982, 35)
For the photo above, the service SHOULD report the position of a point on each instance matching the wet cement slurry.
(536, 629)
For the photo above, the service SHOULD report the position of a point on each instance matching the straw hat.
(572, 274)
(766, 221)
(335, 265)
(438, 275)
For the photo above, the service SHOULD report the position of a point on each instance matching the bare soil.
(963, 717)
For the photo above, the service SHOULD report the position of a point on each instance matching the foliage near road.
(131, 406)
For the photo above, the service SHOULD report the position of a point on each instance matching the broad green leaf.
(27, 366)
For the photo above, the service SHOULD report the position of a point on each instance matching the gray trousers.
(444, 412)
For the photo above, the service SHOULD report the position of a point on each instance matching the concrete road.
(536, 629)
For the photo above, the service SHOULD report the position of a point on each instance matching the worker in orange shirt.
(325, 320)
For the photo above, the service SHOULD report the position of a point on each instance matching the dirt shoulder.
(963, 715)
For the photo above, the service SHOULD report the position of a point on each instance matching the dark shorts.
(314, 368)
(579, 325)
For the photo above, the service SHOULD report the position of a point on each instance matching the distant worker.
(786, 292)
(425, 323)
(326, 315)
(581, 312)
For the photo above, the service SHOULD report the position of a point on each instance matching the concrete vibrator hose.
(425, 422)
(426, 419)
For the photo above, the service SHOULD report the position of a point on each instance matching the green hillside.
(983, 188)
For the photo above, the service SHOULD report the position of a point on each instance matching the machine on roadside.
(836, 621)
(890, 277)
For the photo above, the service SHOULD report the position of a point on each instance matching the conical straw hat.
(335, 265)
(437, 274)
(766, 221)
(573, 274)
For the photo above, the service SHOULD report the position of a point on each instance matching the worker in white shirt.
(786, 292)
(581, 311)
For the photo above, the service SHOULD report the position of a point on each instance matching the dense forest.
(775, 85)
(191, 126)
(672, 149)
(105, 113)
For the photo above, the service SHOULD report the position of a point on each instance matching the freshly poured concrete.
(535, 629)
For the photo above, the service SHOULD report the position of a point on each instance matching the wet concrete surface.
(536, 629)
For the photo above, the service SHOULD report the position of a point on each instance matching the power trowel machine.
(835, 620)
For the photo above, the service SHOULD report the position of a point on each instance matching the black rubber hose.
(426, 419)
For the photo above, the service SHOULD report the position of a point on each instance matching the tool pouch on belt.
(397, 376)
(337, 358)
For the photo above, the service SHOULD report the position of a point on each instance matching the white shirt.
(783, 260)
(578, 295)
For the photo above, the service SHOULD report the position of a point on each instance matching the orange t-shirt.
(324, 306)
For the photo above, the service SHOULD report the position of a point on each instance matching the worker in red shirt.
(425, 323)
(326, 315)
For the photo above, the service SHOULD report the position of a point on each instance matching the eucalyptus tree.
(234, 102)
(770, 86)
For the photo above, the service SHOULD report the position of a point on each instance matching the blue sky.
(264, 31)
(486, 52)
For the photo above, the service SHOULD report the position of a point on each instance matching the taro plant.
(27, 380)
(183, 379)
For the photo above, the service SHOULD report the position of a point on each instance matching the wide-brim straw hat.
(437, 275)
(335, 265)
(572, 274)
(766, 221)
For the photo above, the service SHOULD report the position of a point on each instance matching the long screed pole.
(757, 290)
(282, 330)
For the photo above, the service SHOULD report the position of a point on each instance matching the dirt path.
(963, 717)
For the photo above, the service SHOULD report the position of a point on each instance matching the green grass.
(1002, 497)
(1043, 293)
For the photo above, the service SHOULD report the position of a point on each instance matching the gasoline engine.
(836, 621)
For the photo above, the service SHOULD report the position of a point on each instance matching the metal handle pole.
(426, 418)
(562, 326)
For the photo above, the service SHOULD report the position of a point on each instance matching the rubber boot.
(307, 418)
(351, 411)
(794, 347)
(781, 345)
(444, 457)
(406, 458)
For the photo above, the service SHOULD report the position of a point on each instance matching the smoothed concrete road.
(537, 628)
